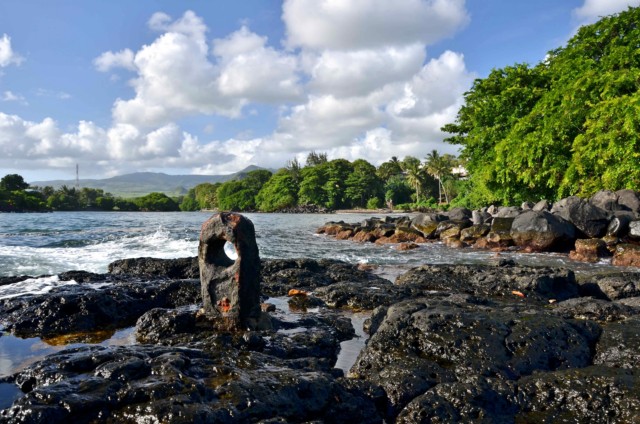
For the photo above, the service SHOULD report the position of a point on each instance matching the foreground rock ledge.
(449, 343)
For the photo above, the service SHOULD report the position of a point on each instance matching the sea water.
(50, 243)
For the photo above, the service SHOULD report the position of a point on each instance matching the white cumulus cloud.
(592, 10)
(357, 24)
(7, 55)
(253, 71)
(353, 73)
(180, 75)
(110, 60)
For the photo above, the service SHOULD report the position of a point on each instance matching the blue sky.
(210, 87)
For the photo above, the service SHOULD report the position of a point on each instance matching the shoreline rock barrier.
(606, 225)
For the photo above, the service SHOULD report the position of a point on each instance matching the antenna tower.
(77, 176)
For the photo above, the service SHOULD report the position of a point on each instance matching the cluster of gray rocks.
(607, 224)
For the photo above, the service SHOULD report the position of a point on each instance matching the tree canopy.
(566, 126)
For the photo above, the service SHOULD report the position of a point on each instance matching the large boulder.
(629, 200)
(541, 231)
(537, 285)
(507, 212)
(80, 308)
(626, 255)
(427, 223)
(590, 220)
(605, 199)
(542, 205)
(619, 224)
(459, 214)
(589, 250)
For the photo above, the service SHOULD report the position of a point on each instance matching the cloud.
(367, 97)
(9, 96)
(361, 24)
(253, 71)
(360, 72)
(404, 116)
(31, 145)
(109, 60)
(7, 55)
(592, 10)
(178, 77)
(43, 92)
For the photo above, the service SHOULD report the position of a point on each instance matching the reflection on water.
(17, 353)
(9, 392)
(350, 349)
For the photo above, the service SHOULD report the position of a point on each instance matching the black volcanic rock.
(154, 267)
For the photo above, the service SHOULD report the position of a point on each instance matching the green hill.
(142, 183)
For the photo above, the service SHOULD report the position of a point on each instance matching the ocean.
(44, 245)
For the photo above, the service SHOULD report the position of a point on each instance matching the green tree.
(312, 184)
(389, 168)
(413, 174)
(338, 171)
(363, 183)
(439, 167)
(240, 195)
(397, 191)
(156, 202)
(189, 203)
(314, 159)
(294, 168)
(13, 182)
(206, 196)
(281, 191)
(105, 203)
(566, 126)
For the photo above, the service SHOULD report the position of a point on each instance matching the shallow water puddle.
(17, 353)
(9, 392)
(350, 349)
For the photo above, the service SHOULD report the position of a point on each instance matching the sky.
(210, 87)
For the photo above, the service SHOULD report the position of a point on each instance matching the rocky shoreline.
(449, 343)
(604, 226)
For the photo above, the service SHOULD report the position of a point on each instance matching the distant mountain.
(142, 183)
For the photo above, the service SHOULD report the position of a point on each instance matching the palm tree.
(439, 167)
(414, 177)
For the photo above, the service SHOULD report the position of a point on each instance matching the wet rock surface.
(590, 229)
(472, 351)
(448, 343)
(111, 303)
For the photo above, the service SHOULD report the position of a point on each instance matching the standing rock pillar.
(230, 286)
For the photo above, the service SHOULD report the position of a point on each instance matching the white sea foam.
(33, 286)
(95, 257)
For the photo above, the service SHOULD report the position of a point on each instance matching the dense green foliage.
(16, 196)
(157, 202)
(569, 125)
(335, 184)
(280, 192)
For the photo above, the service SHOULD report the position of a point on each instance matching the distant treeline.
(337, 184)
(17, 196)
